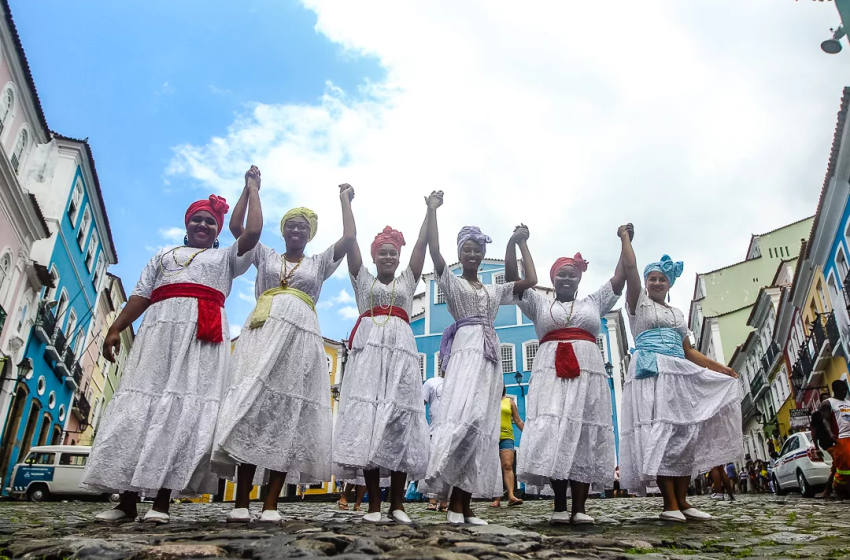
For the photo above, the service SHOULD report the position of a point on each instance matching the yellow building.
(335, 352)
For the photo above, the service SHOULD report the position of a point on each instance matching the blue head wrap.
(667, 267)
(473, 233)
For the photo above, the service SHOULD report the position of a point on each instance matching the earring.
(215, 243)
(186, 239)
(668, 297)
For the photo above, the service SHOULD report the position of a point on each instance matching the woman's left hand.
(726, 370)
(253, 178)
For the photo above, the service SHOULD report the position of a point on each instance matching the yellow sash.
(264, 304)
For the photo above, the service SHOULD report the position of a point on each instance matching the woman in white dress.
(277, 412)
(157, 434)
(569, 433)
(681, 410)
(465, 440)
(381, 428)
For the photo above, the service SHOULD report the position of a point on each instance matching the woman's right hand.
(626, 229)
(111, 344)
(346, 190)
(435, 200)
(253, 178)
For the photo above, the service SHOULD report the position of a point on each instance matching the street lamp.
(24, 366)
(518, 377)
(335, 392)
(833, 46)
(609, 369)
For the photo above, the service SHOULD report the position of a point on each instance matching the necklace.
(180, 267)
(372, 303)
(561, 305)
(284, 275)
(655, 305)
(480, 286)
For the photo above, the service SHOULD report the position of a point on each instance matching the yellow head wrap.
(307, 214)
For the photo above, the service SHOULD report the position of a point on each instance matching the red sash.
(210, 302)
(379, 311)
(566, 363)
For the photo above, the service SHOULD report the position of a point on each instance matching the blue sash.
(653, 342)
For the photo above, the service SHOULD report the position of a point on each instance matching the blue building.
(80, 248)
(518, 340)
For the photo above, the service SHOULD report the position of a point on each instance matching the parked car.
(52, 470)
(801, 465)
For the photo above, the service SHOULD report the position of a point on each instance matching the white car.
(52, 470)
(801, 465)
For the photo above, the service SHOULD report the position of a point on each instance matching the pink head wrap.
(215, 205)
(577, 261)
(389, 235)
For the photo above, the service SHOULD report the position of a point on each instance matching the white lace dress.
(381, 421)
(681, 422)
(569, 432)
(158, 429)
(277, 412)
(465, 437)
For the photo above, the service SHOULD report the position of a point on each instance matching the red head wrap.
(215, 205)
(577, 262)
(389, 235)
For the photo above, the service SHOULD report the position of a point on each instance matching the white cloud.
(348, 312)
(700, 122)
(173, 234)
(247, 297)
(343, 297)
(215, 90)
(235, 330)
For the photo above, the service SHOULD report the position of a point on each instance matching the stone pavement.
(627, 528)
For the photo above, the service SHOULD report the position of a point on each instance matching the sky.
(701, 122)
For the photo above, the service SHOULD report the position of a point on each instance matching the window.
(72, 323)
(73, 459)
(841, 264)
(507, 355)
(437, 364)
(62, 306)
(330, 364)
(529, 350)
(90, 252)
(50, 293)
(98, 270)
(76, 201)
(440, 296)
(600, 342)
(22, 316)
(822, 296)
(499, 278)
(51, 400)
(84, 228)
(770, 252)
(78, 343)
(6, 106)
(422, 365)
(40, 458)
(18, 152)
(5, 273)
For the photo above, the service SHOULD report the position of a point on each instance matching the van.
(52, 470)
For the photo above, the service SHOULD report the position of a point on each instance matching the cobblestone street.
(755, 526)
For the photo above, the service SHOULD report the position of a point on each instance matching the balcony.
(81, 408)
(798, 377)
(75, 372)
(833, 334)
(758, 384)
(45, 324)
(56, 347)
(748, 409)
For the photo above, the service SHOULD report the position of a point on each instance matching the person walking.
(509, 417)
(837, 411)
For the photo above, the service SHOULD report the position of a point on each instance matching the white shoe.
(399, 516)
(112, 515)
(583, 519)
(717, 496)
(157, 517)
(239, 515)
(374, 517)
(474, 521)
(695, 514)
(560, 518)
(454, 518)
(270, 516)
(675, 516)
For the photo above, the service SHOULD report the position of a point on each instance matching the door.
(69, 472)
(785, 465)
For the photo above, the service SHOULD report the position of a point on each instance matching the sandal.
(443, 509)
(357, 508)
(342, 506)
(432, 507)
(516, 502)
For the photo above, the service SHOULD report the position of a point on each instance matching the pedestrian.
(509, 417)
(570, 437)
(732, 475)
(822, 438)
(157, 433)
(721, 484)
(464, 446)
(381, 426)
(837, 411)
(276, 414)
(432, 395)
(359, 492)
(742, 480)
(681, 410)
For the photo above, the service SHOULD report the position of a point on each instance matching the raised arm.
(435, 201)
(827, 415)
(628, 264)
(520, 237)
(349, 230)
(417, 258)
(511, 268)
(237, 217)
(254, 226)
(626, 233)
(515, 414)
(134, 308)
(701, 360)
(355, 258)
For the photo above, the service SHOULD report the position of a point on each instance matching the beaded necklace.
(372, 303)
(168, 272)
(655, 305)
(284, 275)
(561, 305)
(480, 286)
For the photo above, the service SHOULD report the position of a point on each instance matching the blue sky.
(701, 122)
(140, 78)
